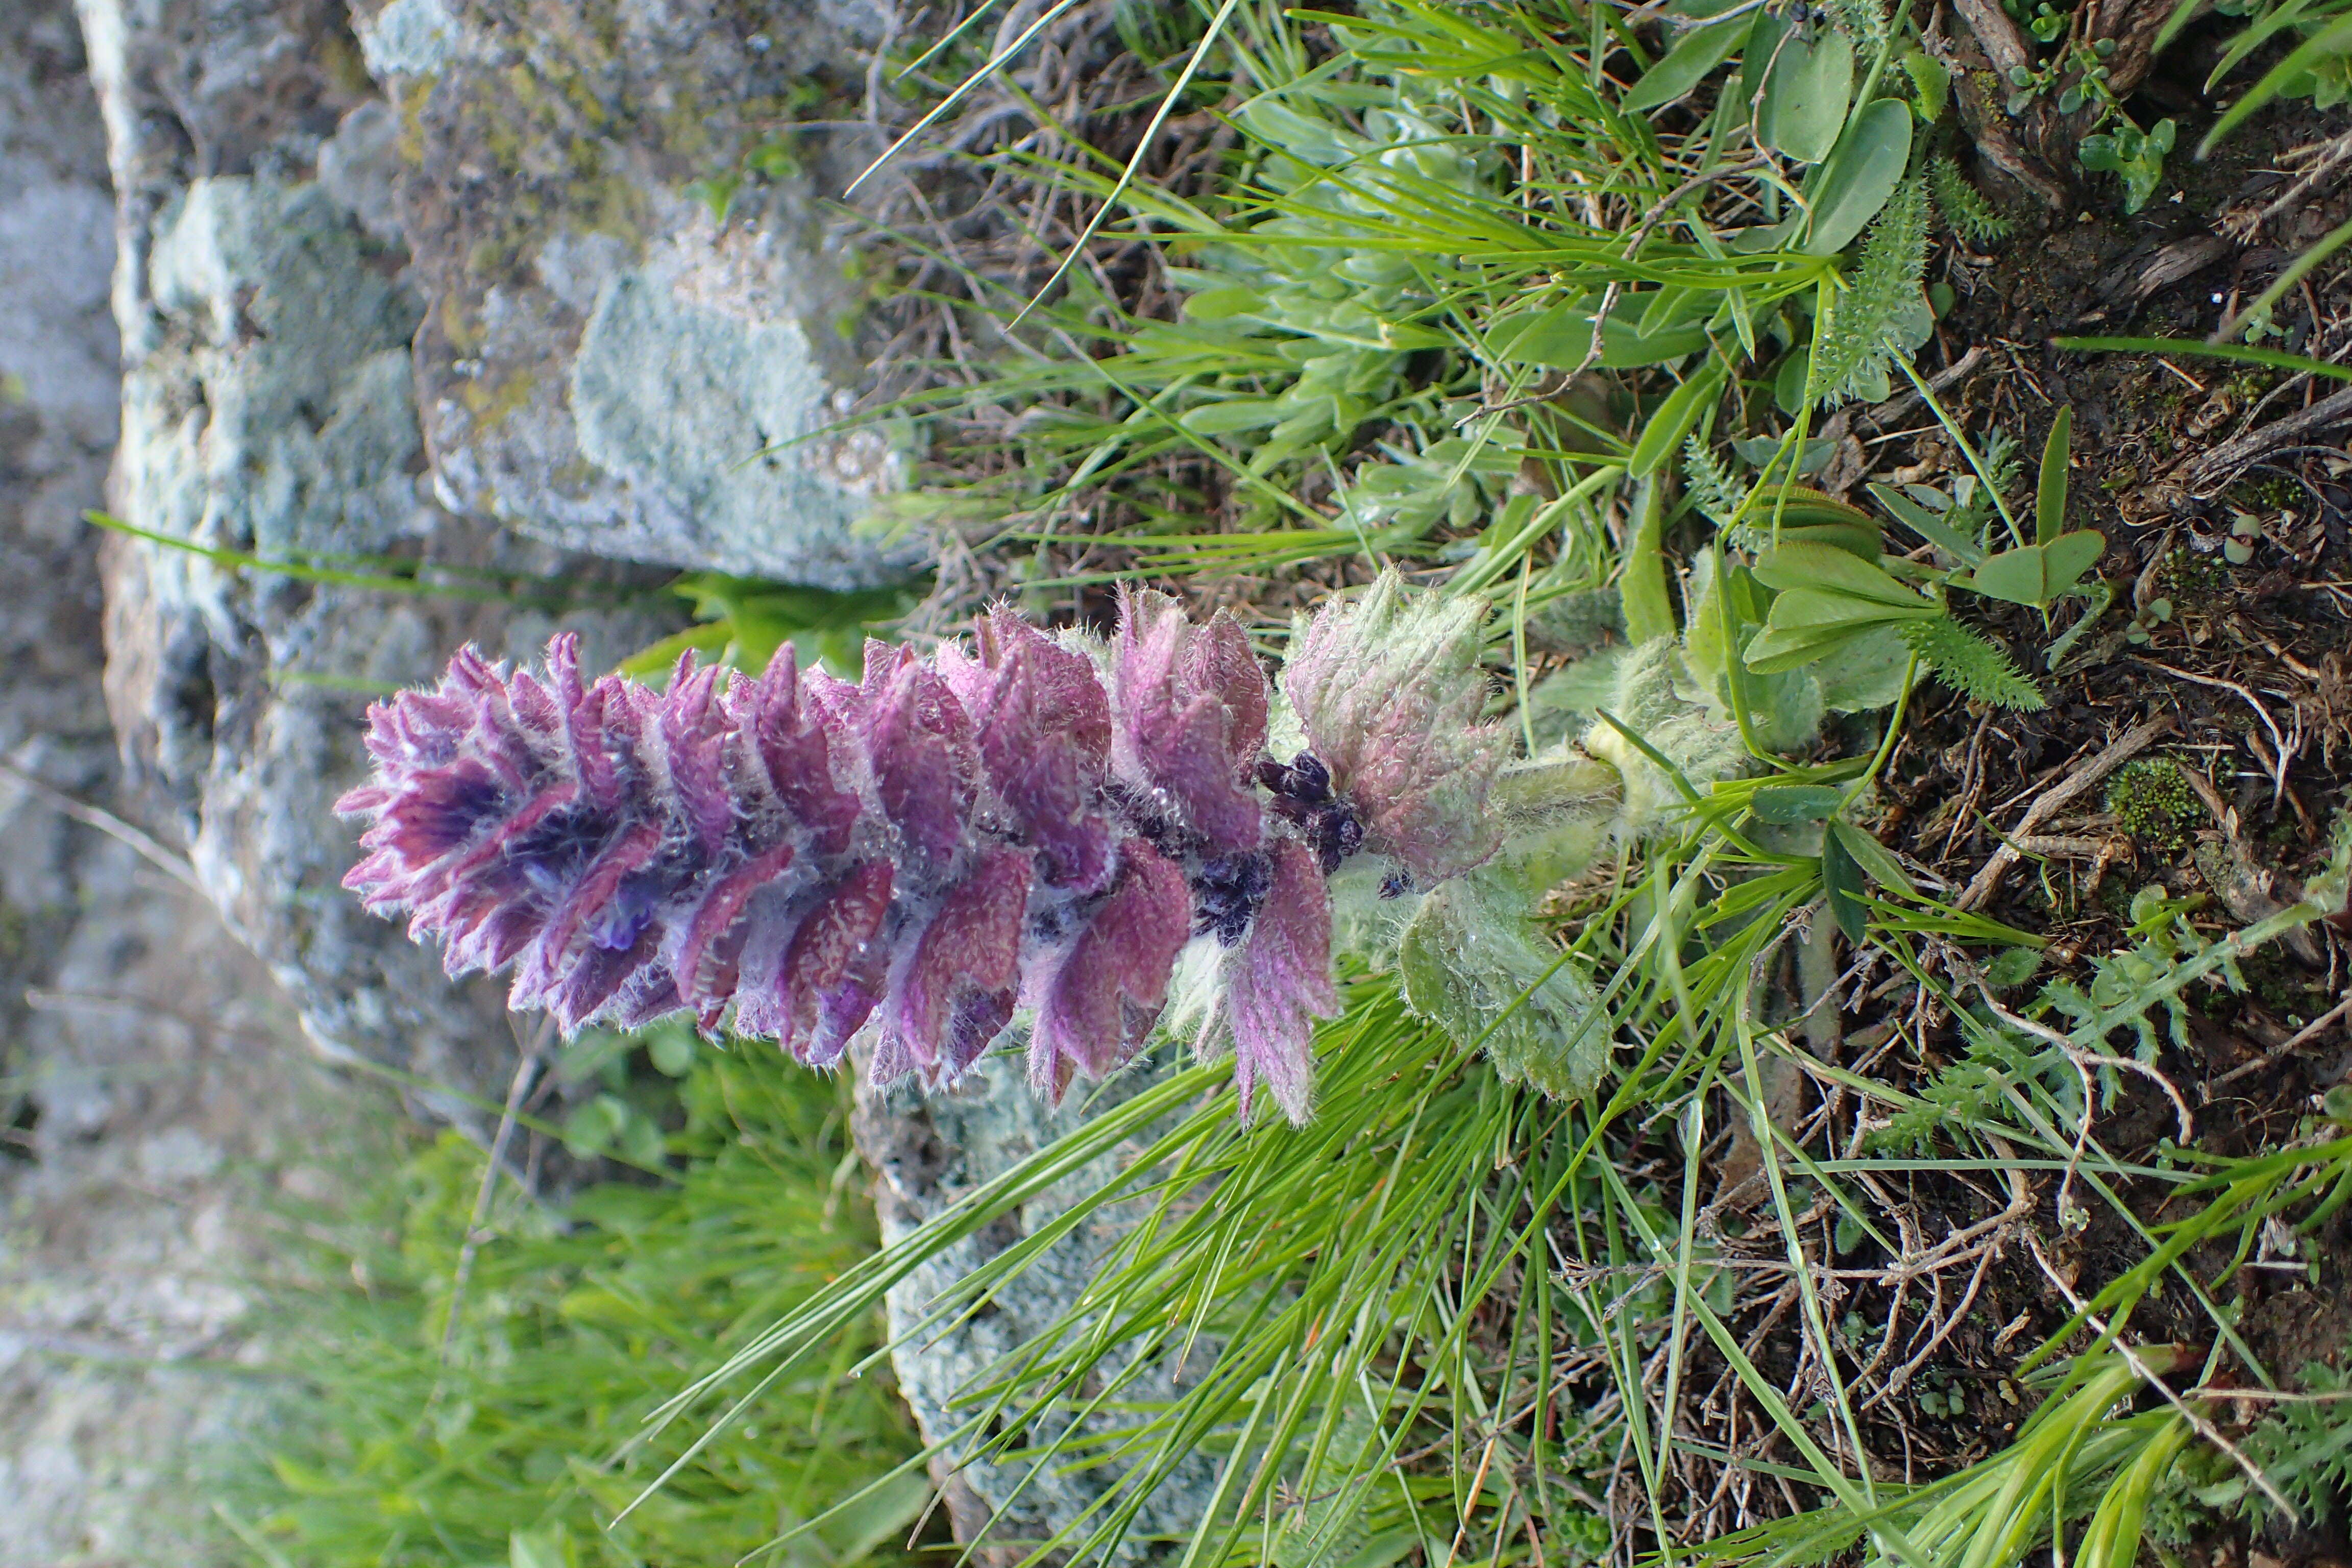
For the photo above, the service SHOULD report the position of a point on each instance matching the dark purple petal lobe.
(1280, 982)
(1099, 997)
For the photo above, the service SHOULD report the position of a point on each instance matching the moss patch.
(2151, 800)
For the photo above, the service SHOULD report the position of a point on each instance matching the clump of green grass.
(515, 1435)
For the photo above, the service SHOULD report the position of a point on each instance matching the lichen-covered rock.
(267, 408)
(641, 316)
(929, 1152)
(150, 1077)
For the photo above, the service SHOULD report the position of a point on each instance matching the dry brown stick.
(2073, 787)
(2286, 1048)
(2225, 462)
(2218, 684)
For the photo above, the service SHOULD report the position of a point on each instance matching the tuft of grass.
(515, 1434)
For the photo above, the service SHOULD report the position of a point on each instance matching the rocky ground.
(156, 1083)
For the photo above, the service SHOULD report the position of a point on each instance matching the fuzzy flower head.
(1389, 691)
(1023, 823)
(911, 857)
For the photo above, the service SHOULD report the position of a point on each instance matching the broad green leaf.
(1686, 65)
(1817, 609)
(1756, 58)
(1928, 525)
(1876, 860)
(1558, 339)
(2014, 575)
(1781, 805)
(2069, 555)
(1790, 381)
(1842, 880)
(1773, 651)
(2036, 574)
(1674, 419)
(2050, 497)
(1805, 95)
(1847, 189)
(1800, 563)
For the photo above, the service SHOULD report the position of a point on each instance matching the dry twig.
(2075, 785)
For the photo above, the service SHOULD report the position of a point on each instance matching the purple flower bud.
(954, 992)
(1189, 713)
(799, 740)
(1389, 690)
(1098, 993)
(1044, 726)
(829, 980)
(918, 740)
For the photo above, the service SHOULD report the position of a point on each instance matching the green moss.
(2151, 800)
(2191, 577)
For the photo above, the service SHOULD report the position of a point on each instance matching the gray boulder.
(642, 315)
(268, 408)
(514, 293)
(931, 1151)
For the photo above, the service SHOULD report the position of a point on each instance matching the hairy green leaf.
(1472, 963)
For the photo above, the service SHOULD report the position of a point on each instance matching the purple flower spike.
(1389, 690)
(906, 859)
(1189, 707)
(1099, 997)
(1279, 983)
